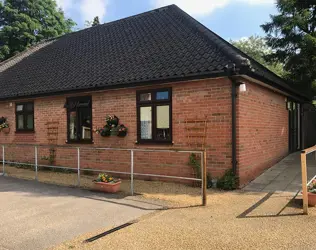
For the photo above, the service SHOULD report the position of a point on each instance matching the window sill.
(25, 132)
(154, 142)
(79, 142)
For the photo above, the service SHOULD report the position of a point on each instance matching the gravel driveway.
(36, 216)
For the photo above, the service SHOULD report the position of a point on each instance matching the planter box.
(107, 187)
(311, 199)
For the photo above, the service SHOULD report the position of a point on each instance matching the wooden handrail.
(304, 182)
(309, 150)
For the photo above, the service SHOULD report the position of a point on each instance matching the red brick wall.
(191, 100)
(262, 130)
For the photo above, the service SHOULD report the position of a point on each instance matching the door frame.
(294, 126)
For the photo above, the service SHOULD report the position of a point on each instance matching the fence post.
(132, 172)
(78, 155)
(304, 182)
(36, 173)
(3, 160)
(203, 175)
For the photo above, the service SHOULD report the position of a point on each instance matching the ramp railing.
(76, 156)
(306, 183)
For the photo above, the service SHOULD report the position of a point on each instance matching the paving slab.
(283, 176)
(37, 216)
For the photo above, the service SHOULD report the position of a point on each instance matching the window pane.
(145, 123)
(29, 107)
(30, 122)
(145, 97)
(72, 125)
(85, 123)
(20, 122)
(19, 108)
(163, 123)
(164, 95)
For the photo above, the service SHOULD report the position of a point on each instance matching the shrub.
(197, 170)
(229, 181)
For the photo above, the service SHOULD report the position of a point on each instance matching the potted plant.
(4, 126)
(105, 131)
(114, 131)
(106, 183)
(312, 193)
(122, 130)
(112, 120)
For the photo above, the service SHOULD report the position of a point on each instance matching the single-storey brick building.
(158, 72)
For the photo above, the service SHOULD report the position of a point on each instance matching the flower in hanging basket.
(112, 120)
(4, 126)
(122, 130)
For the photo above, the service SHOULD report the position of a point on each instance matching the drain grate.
(108, 232)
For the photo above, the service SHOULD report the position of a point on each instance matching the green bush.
(229, 181)
(197, 170)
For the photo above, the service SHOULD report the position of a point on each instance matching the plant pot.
(311, 199)
(122, 134)
(105, 133)
(114, 131)
(6, 130)
(107, 187)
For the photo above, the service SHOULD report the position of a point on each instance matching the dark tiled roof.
(159, 45)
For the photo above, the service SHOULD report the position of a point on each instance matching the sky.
(231, 19)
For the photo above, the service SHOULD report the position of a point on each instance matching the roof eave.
(141, 83)
(288, 91)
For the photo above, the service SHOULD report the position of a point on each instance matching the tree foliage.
(292, 36)
(95, 21)
(25, 22)
(256, 47)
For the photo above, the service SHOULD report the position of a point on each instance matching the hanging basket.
(122, 134)
(114, 131)
(106, 131)
(122, 131)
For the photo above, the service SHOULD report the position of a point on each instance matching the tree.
(256, 47)
(26, 22)
(88, 24)
(292, 36)
(95, 21)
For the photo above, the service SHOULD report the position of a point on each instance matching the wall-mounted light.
(242, 87)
